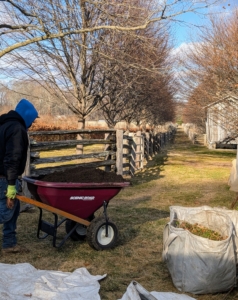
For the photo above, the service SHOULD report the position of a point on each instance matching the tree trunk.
(81, 125)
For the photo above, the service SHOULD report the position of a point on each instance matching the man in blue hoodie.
(13, 156)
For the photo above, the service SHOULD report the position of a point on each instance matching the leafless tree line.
(90, 55)
(211, 72)
(28, 21)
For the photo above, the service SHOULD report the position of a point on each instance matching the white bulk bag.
(233, 179)
(231, 213)
(199, 265)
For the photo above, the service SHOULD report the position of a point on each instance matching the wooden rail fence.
(124, 152)
(194, 135)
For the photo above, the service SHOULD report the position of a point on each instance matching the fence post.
(151, 145)
(132, 155)
(147, 145)
(125, 152)
(142, 139)
(27, 171)
(162, 139)
(79, 148)
(138, 141)
(156, 143)
(107, 148)
(119, 154)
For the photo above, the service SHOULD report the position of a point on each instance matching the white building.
(222, 123)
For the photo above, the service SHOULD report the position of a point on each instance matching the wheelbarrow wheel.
(96, 234)
(81, 230)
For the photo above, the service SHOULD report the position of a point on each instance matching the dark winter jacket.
(14, 139)
(13, 146)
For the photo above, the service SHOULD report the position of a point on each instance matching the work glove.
(11, 192)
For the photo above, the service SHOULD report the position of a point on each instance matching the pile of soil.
(84, 175)
(200, 231)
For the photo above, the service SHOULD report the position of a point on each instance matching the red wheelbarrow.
(77, 203)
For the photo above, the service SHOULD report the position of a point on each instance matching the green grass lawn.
(70, 151)
(182, 174)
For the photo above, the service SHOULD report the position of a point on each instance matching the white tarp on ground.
(135, 291)
(23, 281)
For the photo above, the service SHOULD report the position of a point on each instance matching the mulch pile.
(84, 175)
(200, 230)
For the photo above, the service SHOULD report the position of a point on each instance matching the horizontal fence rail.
(123, 152)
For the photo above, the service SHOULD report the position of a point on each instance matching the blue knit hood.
(27, 111)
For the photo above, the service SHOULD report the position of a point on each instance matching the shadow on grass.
(182, 142)
(137, 216)
(138, 222)
(152, 169)
(130, 218)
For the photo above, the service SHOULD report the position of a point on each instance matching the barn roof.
(229, 97)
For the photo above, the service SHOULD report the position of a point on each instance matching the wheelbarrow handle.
(53, 209)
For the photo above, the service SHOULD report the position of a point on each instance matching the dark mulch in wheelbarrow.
(83, 174)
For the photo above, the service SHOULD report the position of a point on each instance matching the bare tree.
(66, 42)
(75, 68)
(67, 66)
(211, 68)
(139, 77)
(30, 21)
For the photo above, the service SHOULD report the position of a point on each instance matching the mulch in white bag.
(135, 291)
(231, 213)
(23, 281)
(199, 265)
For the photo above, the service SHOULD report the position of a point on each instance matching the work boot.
(15, 249)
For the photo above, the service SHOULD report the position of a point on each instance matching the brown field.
(48, 122)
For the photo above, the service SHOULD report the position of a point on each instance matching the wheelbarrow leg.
(105, 204)
(51, 229)
(48, 228)
(66, 236)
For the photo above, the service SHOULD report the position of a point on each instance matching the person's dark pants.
(8, 217)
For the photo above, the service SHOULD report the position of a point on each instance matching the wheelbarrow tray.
(78, 199)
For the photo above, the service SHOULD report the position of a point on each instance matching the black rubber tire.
(80, 233)
(96, 234)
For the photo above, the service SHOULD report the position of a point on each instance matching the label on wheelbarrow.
(84, 198)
